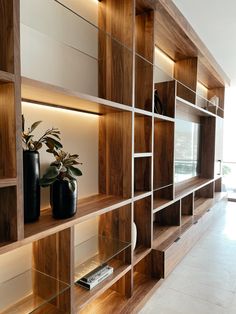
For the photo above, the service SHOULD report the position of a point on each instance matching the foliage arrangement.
(50, 138)
(63, 168)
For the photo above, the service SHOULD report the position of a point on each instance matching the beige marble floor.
(205, 281)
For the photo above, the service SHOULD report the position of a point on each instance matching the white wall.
(58, 47)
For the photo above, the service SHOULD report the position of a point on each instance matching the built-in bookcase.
(136, 161)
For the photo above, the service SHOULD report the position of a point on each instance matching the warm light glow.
(202, 90)
(55, 109)
(164, 56)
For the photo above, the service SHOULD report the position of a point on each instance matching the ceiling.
(215, 23)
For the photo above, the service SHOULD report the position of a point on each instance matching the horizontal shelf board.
(83, 297)
(39, 92)
(186, 222)
(138, 195)
(202, 205)
(101, 250)
(162, 185)
(142, 155)
(114, 302)
(191, 108)
(161, 203)
(164, 236)
(7, 77)
(139, 253)
(5, 182)
(31, 301)
(143, 112)
(159, 117)
(183, 189)
(88, 207)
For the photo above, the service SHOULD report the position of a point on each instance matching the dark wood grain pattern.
(218, 185)
(6, 36)
(142, 174)
(115, 154)
(142, 134)
(169, 215)
(162, 196)
(163, 153)
(144, 35)
(143, 84)
(143, 219)
(167, 92)
(8, 222)
(187, 205)
(207, 148)
(115, 61)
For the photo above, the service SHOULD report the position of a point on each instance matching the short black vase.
(63, 201)
(31, 175)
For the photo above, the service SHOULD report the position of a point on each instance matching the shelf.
(101, 250)
(160, 117)
(6, 182)
(114, 302)
(21, 292)
(201, 206)
(139, 253)
(164, 236)
(43, 93)
(83, 297)
(158, 204)
(88, 207)
(138, 195)
(186, 222)
(191, 108)
(182, 189)
(6, 77)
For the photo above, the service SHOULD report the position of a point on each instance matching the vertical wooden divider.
(53, 256)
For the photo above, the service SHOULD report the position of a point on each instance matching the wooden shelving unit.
(136, 159)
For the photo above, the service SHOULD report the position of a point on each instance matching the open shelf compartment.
(142, 134)
(142, 175)
(166, 226)
(29, 291)
(162, 196)
(203, 200)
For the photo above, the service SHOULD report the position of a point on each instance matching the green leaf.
(34, 125)
(46, 182)
(72, 185)
(75, 171)
(51, 173)
(51, 141)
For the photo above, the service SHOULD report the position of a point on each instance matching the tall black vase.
(63, 200)
(31, 175)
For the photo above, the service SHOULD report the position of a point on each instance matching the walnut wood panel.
(115, 154)
(162, 196)
(143, 84)
(177, 37)
(115, 66)
(187, 205)
(6, 77)
(116, 19)
(163, 153)
(7, 132)
(185, 71)
(144, 5)
(143, 219)
(218, 185)
(8, 211)
(18, 119)
(7, 182)
(142, 174)
(53, 256)
(206, 191)
(167, 92)
(189, 186)
(219, 92)
(144, 35)
(6, 36)
(168, 216)
(207, 147)
(142, 134)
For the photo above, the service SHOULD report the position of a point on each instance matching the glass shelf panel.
(28, 291)
(94, 252)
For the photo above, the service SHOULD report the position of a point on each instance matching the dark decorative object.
(63, 200)
(31, 185)
(31, 167)
(159, 107)
(61, 177)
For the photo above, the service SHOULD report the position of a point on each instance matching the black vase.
(63, 200)
(31, 175)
